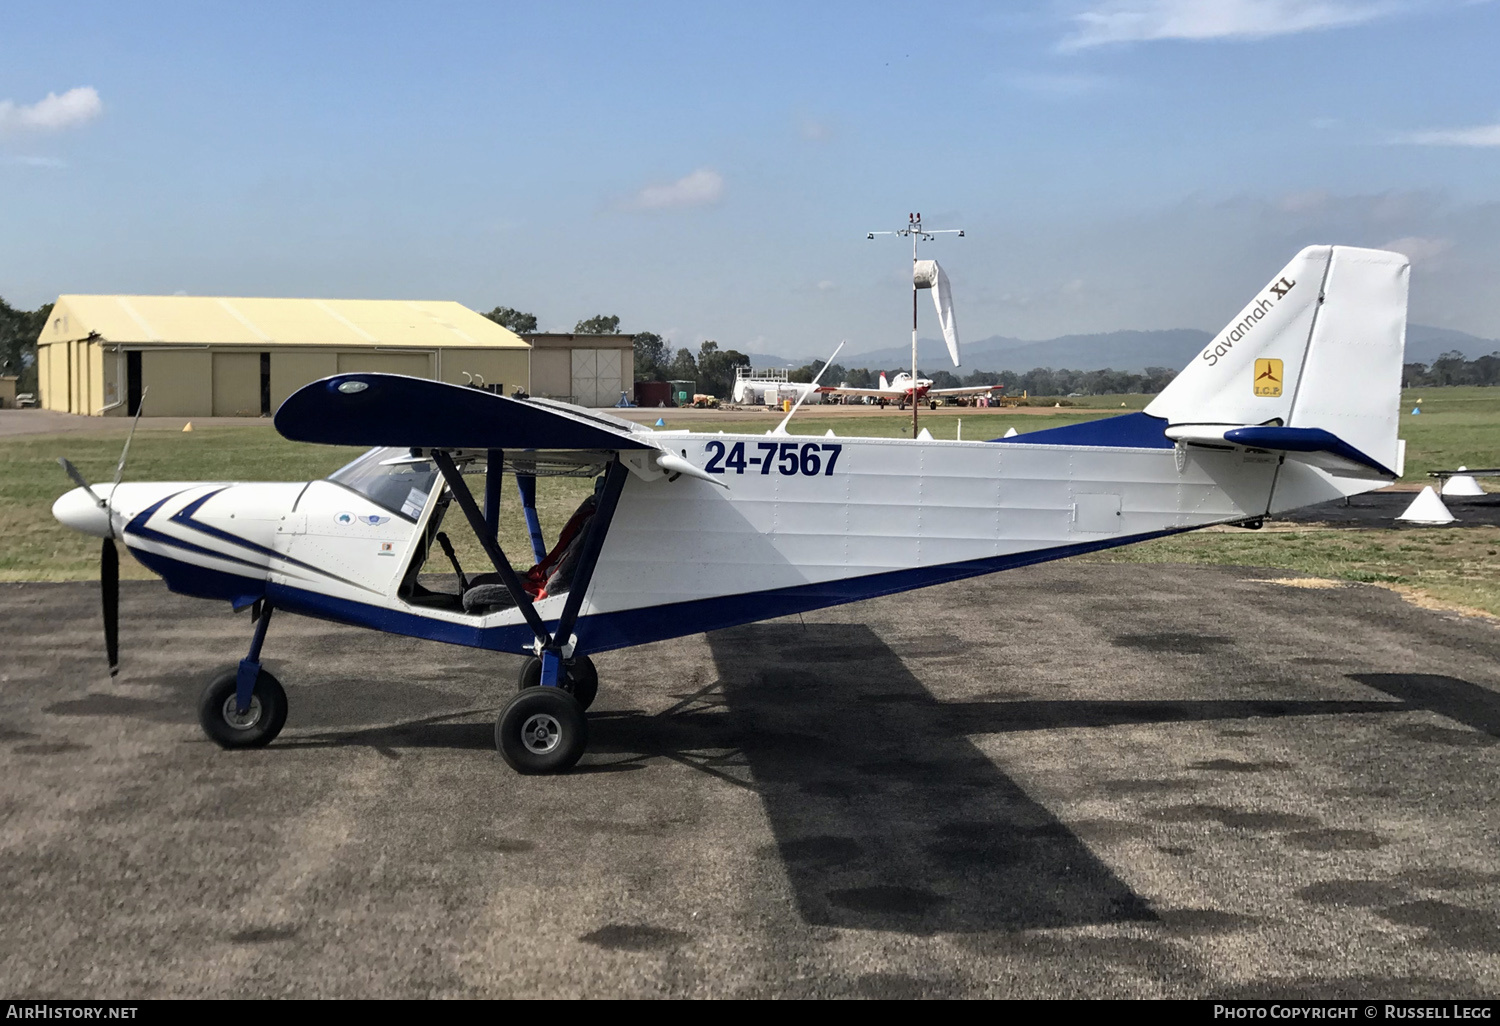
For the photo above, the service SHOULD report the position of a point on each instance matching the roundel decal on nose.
(346, 519)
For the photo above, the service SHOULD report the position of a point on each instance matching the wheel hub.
(541, 733)
(241, 720)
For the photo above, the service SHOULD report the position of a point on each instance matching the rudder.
(1320, 347)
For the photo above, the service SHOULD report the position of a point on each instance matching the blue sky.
(710, 170)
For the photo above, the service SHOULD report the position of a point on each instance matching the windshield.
(400, 487)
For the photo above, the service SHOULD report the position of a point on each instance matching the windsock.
(927, 274)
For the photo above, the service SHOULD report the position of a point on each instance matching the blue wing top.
(393, 410)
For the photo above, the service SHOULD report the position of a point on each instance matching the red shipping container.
(653, 393)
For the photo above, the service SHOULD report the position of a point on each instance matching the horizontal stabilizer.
(394, 410)
(1313, 446)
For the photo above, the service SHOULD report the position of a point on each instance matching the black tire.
(541, 730)
(580, 678)
(258, 728)
(932, 405)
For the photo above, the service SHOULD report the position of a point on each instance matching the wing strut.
(491, 546)
(494, 464)
(526, 488)
(593, 544)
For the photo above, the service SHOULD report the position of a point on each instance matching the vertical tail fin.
(1320, 347)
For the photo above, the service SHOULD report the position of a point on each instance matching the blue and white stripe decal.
(185, 517)
(602, 632)
(138, 527)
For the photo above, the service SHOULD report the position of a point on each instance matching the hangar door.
(236, 385)
(596, 377)
(415, 365)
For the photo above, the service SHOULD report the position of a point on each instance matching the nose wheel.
(228, 725)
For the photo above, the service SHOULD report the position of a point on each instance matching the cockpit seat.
(487, 594)
(552, 576)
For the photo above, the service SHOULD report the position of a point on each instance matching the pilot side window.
(392, 478)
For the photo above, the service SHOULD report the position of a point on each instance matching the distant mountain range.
(1115, 350)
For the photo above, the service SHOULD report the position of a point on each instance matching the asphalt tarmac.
(1070, 780)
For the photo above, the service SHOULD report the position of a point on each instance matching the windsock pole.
(914, 237)
(917, 233)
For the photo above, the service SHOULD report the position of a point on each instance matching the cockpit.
(392, 478)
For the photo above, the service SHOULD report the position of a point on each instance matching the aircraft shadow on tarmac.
(884, 813)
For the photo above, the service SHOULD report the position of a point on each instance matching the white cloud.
(1417, 247)
(52, 112)
(1479, 135)
(1129, 21)
(702, 188)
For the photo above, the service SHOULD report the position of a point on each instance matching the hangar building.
(590, 370)
(224, 357)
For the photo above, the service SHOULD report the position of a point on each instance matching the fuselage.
(804, 523)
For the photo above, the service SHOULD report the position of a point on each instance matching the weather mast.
(925, 274)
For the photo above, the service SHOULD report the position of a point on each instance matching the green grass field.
(1453, 565)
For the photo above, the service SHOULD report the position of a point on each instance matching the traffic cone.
(1462, 484)
(188, 426)
(1427, 508)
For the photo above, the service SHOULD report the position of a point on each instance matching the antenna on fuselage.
(917, 233)
(809, 390)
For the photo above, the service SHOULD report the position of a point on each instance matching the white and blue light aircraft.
(1294, 403)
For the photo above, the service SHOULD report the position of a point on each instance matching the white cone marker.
(1427, 508)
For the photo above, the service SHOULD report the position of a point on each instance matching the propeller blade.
(109, 585)
(77, 479)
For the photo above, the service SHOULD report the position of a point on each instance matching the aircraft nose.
(78, 510)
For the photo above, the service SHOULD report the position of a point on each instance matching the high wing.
(878, 393)
(971, 390)
(394, 410)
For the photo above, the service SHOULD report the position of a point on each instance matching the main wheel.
(932, 405)
(580, 678)
(542, 730)
(219, 715)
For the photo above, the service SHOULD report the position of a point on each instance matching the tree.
(650, 356)
(18, 333)
(1452, 369)
(599, 325)
(683, 367)
(716, 368)
(515, 320)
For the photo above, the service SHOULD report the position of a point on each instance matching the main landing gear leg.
(246, 707)
(543, 729)
(578, 676)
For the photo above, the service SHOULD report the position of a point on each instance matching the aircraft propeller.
(109, 556)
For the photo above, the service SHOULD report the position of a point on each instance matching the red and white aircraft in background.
(902, 390)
